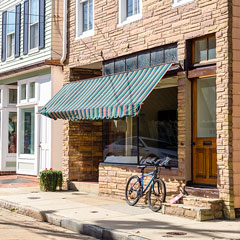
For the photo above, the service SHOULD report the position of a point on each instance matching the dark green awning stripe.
(115, 96)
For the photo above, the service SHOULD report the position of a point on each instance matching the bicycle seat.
(141, 166)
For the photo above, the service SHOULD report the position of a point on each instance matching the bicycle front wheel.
(156, 195)
(132, 191)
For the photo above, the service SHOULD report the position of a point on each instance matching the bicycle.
(157, 192)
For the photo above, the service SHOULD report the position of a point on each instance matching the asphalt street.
(18, 227)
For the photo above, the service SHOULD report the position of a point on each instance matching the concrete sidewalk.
(79, 211)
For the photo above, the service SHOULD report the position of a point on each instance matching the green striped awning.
(115, 96)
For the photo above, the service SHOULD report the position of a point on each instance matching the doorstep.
(200, 191)
(88, 187)
(197, 208)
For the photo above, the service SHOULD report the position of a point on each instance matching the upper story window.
(10, 33)
(129, 11)
(144, 59)
(204, 49)
(133, 7)
(84, 18)
(34, 23)
(177, 3)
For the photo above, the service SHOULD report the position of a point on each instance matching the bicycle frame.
(149, 183)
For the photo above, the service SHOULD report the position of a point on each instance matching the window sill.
(33, 51)
(26, 104)
(182, 3)
(131, 19)
(86, 34)
(10, 59)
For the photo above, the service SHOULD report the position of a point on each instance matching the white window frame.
(1, 98)
(30, 25)
(10, 34)
(79, 21)
(177, 3)
(123, 19)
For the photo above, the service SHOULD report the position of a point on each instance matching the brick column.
(224, 109)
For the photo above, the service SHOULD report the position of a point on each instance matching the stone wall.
(113, 179)
(82, 150)
(236, 101)
(161, 24)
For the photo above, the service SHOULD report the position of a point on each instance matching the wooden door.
(204, 131)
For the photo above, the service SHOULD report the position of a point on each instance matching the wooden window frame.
(193, 49)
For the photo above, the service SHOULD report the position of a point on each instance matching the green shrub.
(50, 180)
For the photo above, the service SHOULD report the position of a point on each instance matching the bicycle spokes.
(157, 195)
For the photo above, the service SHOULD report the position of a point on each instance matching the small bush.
(50, 180)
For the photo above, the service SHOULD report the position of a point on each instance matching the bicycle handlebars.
(159, 163)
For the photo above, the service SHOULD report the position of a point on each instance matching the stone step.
(202, 191)
(88, 187)
(196, 213)
(211, 203)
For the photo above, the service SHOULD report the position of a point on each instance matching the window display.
(27, 131)
(12, 132)
(154, 134)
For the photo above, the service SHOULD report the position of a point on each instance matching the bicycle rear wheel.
(156, 195)
(132, 191)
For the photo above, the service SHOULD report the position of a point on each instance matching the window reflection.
(12, 132)
(158, 132)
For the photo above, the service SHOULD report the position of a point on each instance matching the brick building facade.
(160, 23)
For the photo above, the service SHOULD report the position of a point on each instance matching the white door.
(45, 142)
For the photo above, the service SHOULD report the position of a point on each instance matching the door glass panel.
(206, 108)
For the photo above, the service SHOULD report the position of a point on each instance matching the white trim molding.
(80, 33)
(123, 19)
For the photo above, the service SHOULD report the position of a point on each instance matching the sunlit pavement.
(115, 214)
(18, 227)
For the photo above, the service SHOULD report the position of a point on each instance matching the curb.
(68, 223)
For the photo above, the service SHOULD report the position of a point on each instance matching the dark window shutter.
(17, 30)
(26, 27)
(4, 36)
(41, 24)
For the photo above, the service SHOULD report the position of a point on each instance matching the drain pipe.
(64, 41)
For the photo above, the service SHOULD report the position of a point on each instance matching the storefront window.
(152, 135)
(23, 91)
(12, 132)
(12, 96)
(158, 127)
(120, 141)
(27, 131)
